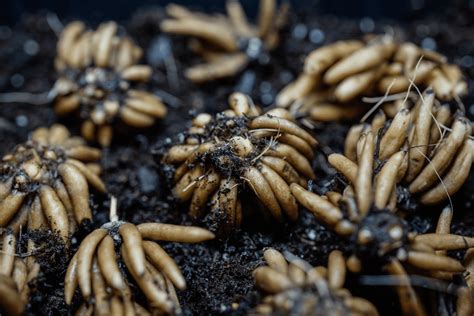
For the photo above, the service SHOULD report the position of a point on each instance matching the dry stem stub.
(227, 44)
(101, 80)
(338, 75)
(44, 183)
(99, 270)
(239, 151)
(294, 287)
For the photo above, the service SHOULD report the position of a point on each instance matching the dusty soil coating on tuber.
(218, 273)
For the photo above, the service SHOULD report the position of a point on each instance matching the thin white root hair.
(380, 102)
(440, 179)
(388, 98)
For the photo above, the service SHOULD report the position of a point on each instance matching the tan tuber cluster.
(226, 43)
(426, 149)
(416, 151)
(338, 75)
(294, 287)
(241, 149)
(99, 78)
(97, 268)
(380, 236)
(44, 183)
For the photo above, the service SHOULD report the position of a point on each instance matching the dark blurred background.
(97, 10)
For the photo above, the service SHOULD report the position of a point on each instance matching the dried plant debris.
(426, 150)
(15, 274)
(44, 183)
(99, 78)
(227, 44)
(240, 150)
(294, 287)
(99, 270)
(338, 75)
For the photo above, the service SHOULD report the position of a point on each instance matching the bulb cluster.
(294, 287)
(227, 44)
(96, 268)
(383, 160)
(99, 78)
(44, 183)
(241, 150)
(338, 75)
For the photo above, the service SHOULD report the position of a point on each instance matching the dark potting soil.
(218, 273)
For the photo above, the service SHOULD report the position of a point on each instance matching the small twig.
(190, 185)
(169, 62)
(54, 23)
(26, 97)
(415, 280)
(264, 130)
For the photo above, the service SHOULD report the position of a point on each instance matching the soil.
(218, 273)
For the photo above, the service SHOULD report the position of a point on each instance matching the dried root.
(45, 182)
(437, 156)
(99, 77)
(338, 75)
(226, 43)
(98, 268)
(296, 288)
(241, 150)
